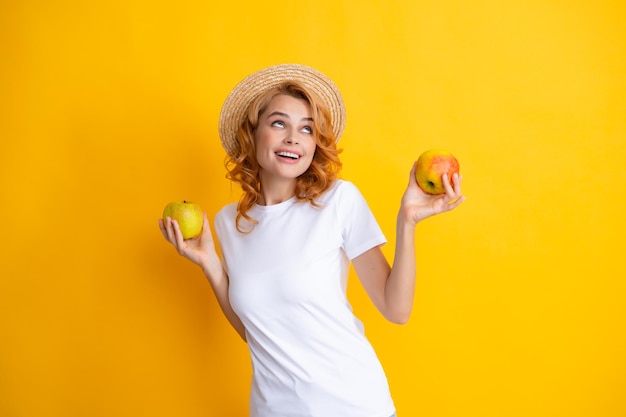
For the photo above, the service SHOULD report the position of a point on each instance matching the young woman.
(287, 245)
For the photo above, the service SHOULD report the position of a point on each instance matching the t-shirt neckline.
(275, 207)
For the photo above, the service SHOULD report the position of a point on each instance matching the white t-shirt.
(288, 280)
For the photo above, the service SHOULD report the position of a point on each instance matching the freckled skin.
(431, 165)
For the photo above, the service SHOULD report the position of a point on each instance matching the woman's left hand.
(417, 205)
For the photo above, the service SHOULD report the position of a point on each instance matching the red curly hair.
(317, 179)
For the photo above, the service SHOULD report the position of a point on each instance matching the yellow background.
(108, 110)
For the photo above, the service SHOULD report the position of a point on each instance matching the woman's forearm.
(218, 279)
(400, 286)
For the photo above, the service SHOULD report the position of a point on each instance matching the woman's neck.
(273, 192)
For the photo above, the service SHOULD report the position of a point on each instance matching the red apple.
(431, 165)
(188, 215)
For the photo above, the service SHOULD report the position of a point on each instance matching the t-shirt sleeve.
(360, 230)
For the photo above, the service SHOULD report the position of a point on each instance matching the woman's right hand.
(199, 250)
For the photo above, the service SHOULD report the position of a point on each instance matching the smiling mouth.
(288, 155)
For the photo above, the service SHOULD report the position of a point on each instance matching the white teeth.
(288, 155)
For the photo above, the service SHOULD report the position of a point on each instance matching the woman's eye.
(307, 129)
(278, 123)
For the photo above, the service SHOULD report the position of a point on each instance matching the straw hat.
(234, 110)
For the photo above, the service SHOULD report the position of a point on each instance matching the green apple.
(188, 215)
(431, 165)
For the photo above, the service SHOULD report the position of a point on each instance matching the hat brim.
(234, 109)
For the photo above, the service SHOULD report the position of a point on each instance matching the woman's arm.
(201, 251)
(392, 288)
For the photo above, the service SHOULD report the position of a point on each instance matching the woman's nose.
(292, 137)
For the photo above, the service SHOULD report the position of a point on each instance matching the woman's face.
(285, 140)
